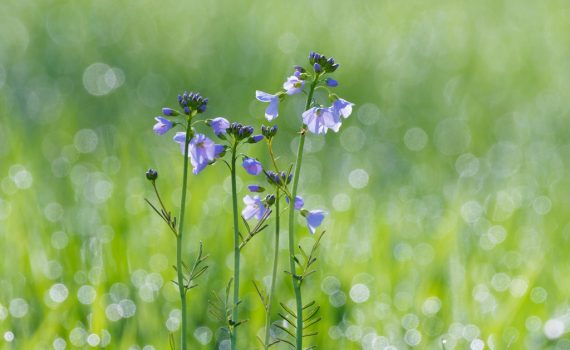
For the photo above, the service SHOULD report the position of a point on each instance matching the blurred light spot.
(481, 293)
(452, 136)
(58, 292)
(3, 312)
(22, 178)
(554, 328)
(158, 262)
(203, 335)
(99, 79)
(359, 293)
(330, 285)
(288, 42)
(542, 205)
(410, 321)
(153, 90)
(227, 185)
(78, 336)
(431, 306)
(128, 308)
(335, 332)
(358, 178)
(86, 294)
(471, 211)
(353, 333)
(59, 240)
(8, 336)
(53, 269)
(93, 340)
(538, 295)
(113, 312)
(337, 299)
(477, 344)
(148, 347)
(413, 337)
(467, 165)
(403, 252)
(53, 211)
(470, 332)
(368, 114)
(519, 286)
(59, 344)
(501, 281)
(341, 202)
(111, 165)
(173, 321)
(504, 159)
(85, 141)
(18, 307)
(105, 233)
(533, 323)
(352, 139)
(60, 167)
(424, 254)
(504, 206)
(105, 338)
(415, 139)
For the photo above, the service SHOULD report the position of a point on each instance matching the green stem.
(296, 282)
(236, 248)
(273, 275)
(179, 268)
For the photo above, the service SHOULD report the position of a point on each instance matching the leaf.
(289, 311)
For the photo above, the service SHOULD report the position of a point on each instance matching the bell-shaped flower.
(314, 219)
(201, 150)
(342, 107)
(319, 120)
(299, 202)
(219, 125)
(252, 166)
(162, 125)
(254, 207)
(293, 85)
(271, 112)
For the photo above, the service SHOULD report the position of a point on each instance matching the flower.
(252, 166)
(293, 85)
(299, 202)
(169, 112)
(272, 110)
(219, 125)
(314, 219)
(255, 139)
(201, 150)
(255, 188)
(319, 120)
(192, 101)
(331, 82)
(162, 125)
(254, 207)
(342, 107)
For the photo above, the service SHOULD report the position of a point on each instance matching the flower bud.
(317, 68)
(331, 82)
(270, 199)
(255, 139)
(255, 188)
(169, 112)
(151, 174)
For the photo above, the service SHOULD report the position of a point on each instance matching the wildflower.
(201, 150)
(314, 219)
(269, 132)
(271, 112)
(219, 125)
(255, 139)
(162, 125)
(169, 112)
(255, 188)
(331, 82)
(252, 166)
(321, 63)
(293, 85)
(319, 120)
(299, 202)
(151, 174)
(254, 207)
(298, 71)
(342, 107)
(192, 101)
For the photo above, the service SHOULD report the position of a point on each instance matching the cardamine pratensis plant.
(201, 151)
(316, 119)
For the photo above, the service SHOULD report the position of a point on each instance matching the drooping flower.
(162, 125)
(252, 166)
(254, 207)
(271, 112)
(293, 85)
(342, 107)
(319, 120)
(219, 125)
(201, 150)
(314, 219)
(299, 202)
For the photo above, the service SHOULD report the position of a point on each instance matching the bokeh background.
(447, 189)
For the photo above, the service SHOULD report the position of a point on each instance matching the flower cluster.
(192, 102)
(318, 119)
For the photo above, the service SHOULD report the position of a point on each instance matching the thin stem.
(179, 268)
(236, 248)
(273, 275)
(296, 282)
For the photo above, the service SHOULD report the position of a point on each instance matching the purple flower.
(319, 120)
(314, 219)
(252, 166)
(255, 138)
(293, 85)
(162, 125)
(201, 150)
(254, 207)
(331, 82)
(272, 110)
(255, 188)
(299, 202)
(169, 112)
(342, 107)
(317, 67)
(219, 125)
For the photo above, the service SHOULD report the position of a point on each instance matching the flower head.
(271, 112)
(342, 107)
(252, 166)
(293, 85)
(319, 120)
(314, 219)
(219, 125)
(254, 207)
(299, 202)
(201, 150)
(192, 101)
(162, 125)
(320, 63)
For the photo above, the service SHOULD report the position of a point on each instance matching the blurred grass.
(461, 231)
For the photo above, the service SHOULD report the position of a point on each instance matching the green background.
(447, 189)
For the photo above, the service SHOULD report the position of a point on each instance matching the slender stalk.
(236, 248)
(296, 282)
(179, 268)
(274, 273)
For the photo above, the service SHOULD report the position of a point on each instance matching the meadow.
(448, 188)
